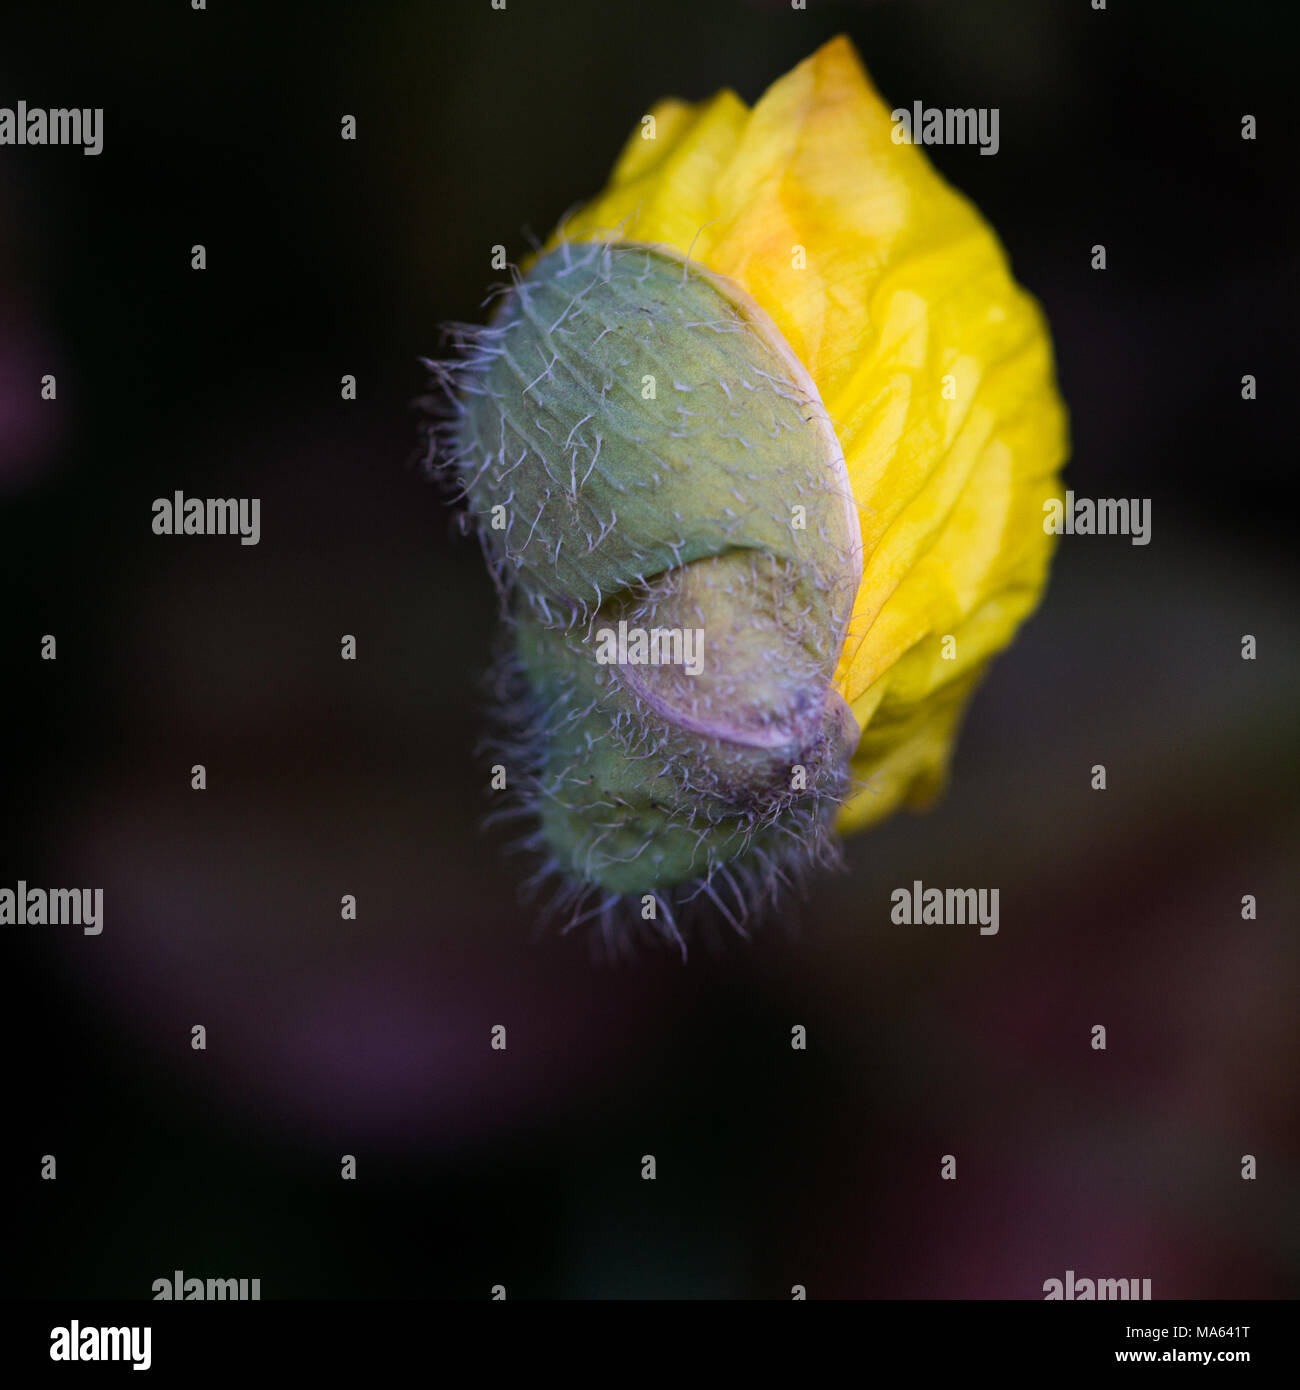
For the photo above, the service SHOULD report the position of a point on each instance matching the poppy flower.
(774, 388)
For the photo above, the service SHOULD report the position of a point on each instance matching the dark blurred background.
(327, 1037)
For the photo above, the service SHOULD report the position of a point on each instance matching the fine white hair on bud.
(666, 511)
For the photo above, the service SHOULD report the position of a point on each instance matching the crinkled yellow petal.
(935, 366)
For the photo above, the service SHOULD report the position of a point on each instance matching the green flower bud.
(665, 506)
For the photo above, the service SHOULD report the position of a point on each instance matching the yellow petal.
(935, 366)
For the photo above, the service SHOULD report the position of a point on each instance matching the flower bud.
(665, 503)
